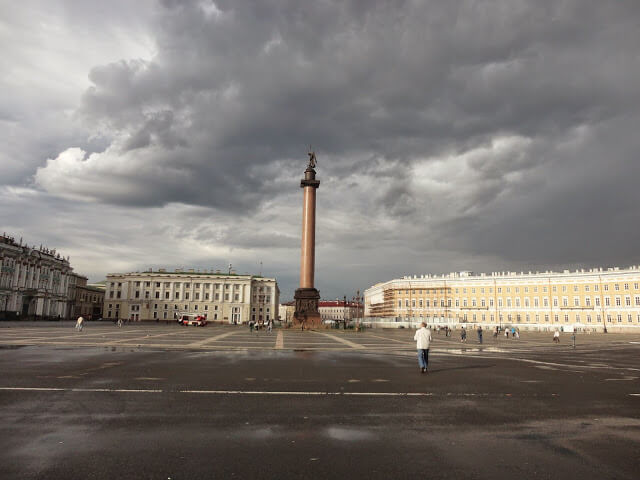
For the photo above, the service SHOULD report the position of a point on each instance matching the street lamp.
(344, 311)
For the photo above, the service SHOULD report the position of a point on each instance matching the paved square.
(163, 401)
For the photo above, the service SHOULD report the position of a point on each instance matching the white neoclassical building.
(34, 282)
(161, 295)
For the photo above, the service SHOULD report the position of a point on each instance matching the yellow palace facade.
(589, 300)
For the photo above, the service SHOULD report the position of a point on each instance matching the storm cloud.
(481, 135)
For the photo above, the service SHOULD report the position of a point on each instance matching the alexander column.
(307, 296)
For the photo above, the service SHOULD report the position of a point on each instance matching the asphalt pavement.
(165, 402)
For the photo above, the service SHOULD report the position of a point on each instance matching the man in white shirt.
(79, 323)
(423, 340)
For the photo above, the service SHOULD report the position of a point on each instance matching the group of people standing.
(268, 325)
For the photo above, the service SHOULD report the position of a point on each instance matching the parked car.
(191, 319)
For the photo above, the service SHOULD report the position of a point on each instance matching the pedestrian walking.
(516, 335)
(79, 323)
(269, 326)
(506, 332)
(556, 337)
(463, 335)
(423, 340)
(251, 326)
(119, 323)
(480, 334)
(495, 333)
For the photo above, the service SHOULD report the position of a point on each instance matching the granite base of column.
(306, 314)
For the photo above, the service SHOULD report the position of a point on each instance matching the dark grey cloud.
(450, 135)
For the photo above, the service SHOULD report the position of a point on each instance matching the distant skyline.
(458, 135)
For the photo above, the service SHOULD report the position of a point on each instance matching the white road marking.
(123, 340)
(276, 393)
(635, 394)
(341, 340)
(280, 340)
(212, 339)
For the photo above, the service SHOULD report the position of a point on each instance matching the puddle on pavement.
(461, 351)
(349, 434)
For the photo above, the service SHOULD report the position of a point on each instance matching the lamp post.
(344, 311)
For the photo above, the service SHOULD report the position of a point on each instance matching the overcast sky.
(450, 135)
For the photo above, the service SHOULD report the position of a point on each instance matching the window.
(607, 301)
(576, 301)
(177, 295)
(626, 286)
(617, 286)
(555, 288)
(157, 284)
(637, 301)
(597, 300)
(491, 302)
(575, 288)
(555, 301)
(564, 288)
(619, 318)
(587, 301)
(166, 295)
(586, 288)
(186, 295)
(157, 294)
(187, 285)
(399, 303)
(606, 288)
(618, 301)
(588, 318)
(566, 317)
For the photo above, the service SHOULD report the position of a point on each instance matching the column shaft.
(307, 260)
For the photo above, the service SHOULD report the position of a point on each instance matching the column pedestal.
(306, 312)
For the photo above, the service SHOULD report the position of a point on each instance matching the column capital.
(309, 179)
